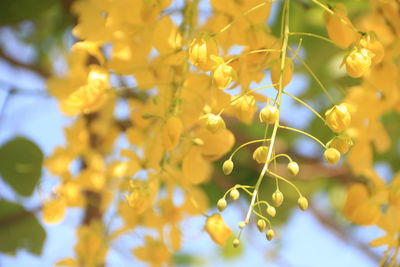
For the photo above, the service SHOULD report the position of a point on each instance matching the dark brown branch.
(16, 63)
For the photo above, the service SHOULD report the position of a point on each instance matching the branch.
(36, 69)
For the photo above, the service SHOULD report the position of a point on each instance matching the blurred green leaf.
(21, 165)
(19, 229)
(230, 252)
(12, 11)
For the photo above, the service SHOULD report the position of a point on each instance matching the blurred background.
(35, 36)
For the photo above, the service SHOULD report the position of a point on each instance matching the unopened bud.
(227, 167)
(236, 243)
(221, 204)
(271, 211)
(277, 198)
(270, 234)
(260, 154)
(332, 155)
(303, 203)
(269, 114)
(242, 225)
(293, 168)
(261, 224)
(234, 194)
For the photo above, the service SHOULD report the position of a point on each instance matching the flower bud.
(358, 62)
(271, 211)
(332, 155)
(341, 143)
(303, 203)
(287, 73)
(242, 225)
(223, 76)
(260, 154)
(215, 123)
(234, 194)
(261, 224)
(293, 168)
(227, 167)
(270, 234)
(236, 243)
(269, 114)
(221, 204)
(277, 198)
(200, 50)
(338, 118)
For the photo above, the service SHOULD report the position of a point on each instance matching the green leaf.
(19, 229)
(21, 165)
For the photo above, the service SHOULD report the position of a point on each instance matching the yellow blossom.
(244, 107)
(358, 62)
(217, 229)
(223, 76)
(338, 118)
(171, 133)
(200, 50)
(341, 143)
(54, 210)
(339, 26)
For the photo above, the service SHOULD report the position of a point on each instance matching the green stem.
(304, 133)
(285, 31)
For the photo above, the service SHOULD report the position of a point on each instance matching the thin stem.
(242, 15)
(282, 155)
(286, 180)
(394, 257)
(314, 76)
(246, 93)
(314, 35)
(304, 104)
(304, 133)
(330, 11)
(285, 31)
(252, 52)
(263, 217)
(248, 143)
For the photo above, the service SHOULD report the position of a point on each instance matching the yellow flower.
(342, 143)
(200, 50)
(217, 229)
(171, 133)
(223, 76)
(214, 123)
(359, 207)
(338, 118)
(339, 32)
(244, 107)
(89, 97)
(373, 45)
(54, 210)
(358, 62)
